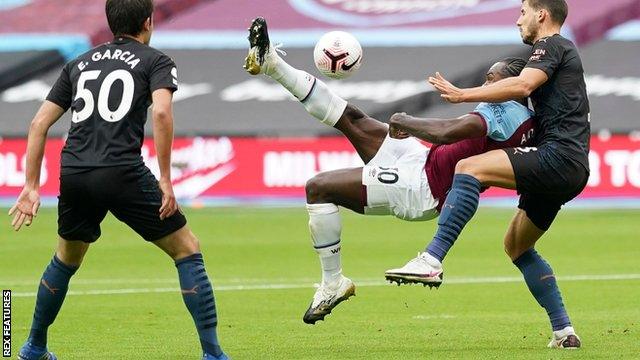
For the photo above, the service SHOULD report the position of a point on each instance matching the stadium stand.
(28, 33)
(207, 36)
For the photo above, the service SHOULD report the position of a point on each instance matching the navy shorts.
(545, 180)
(130, 192)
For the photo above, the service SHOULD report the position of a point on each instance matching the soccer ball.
(337, 54)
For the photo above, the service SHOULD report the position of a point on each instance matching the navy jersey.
(561, 104)
(508, 124)
(109, 91)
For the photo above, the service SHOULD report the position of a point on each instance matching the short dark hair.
(513, 66)
(127, 17)
(557, 8)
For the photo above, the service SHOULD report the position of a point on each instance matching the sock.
(325, 227)
(317, 98)
(459, 207)
(51, 293)
(197, 294)
(542, 283)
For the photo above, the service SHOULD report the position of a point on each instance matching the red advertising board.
(279, 168)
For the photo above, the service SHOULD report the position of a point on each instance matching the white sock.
(325, 227)
(314, 94)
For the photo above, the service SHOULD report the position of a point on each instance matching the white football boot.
(261, 54)
(327, 297)
(565, 339)
(423, 269)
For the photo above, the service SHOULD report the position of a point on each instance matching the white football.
(337, 54)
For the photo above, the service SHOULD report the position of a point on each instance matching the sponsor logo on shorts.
(524, 150)
(373, 172)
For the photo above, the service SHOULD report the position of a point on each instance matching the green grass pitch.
(125, 302)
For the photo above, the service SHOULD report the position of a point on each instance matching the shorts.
(396, 183)
(545, 180)
(131, 193)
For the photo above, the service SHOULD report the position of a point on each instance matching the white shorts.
(396, 182)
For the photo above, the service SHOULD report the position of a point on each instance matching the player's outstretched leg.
(325, 192)
(197, 291)
(490, 169)
(51, 294)
(365, 133)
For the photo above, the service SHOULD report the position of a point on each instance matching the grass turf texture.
(251, 247)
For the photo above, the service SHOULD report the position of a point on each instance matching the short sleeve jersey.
(561, 104)
(108, 90)
(508, 124)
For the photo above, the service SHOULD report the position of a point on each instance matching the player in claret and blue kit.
(402, 177)
(109, 90)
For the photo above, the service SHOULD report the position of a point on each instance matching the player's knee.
(315, 189)
(512, 249)
(188, 245)
(180, 244)
(468, 167)
(71, 253)
(352, 114)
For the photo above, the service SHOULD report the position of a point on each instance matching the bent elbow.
(38, 124)
(525, 89)
(161, 115)
(444, 138)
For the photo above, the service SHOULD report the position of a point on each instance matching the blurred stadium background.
(241, 138)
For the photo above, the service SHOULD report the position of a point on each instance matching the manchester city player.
(402, 177)
(546, 176)
(108, 90)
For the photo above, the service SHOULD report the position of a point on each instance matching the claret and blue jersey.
(503, 120)
(508, 124)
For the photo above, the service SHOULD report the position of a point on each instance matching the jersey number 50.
(103, 96)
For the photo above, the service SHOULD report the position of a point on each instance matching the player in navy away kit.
(546, 176)
(402, 177)
(109, 90)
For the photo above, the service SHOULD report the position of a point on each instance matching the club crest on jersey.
(130, 59)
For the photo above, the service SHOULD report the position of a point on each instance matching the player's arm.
(438, 131)
(28, 202)
(162, 115)
(512, 88)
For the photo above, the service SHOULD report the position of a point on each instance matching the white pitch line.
(367, 283)
(167, 281)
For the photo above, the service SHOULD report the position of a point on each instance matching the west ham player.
(109, 90)
(395, 180)
(546, 176)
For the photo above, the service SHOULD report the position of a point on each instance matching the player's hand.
(169, 204)
(447, 90)
(394, 131)
(26, 208)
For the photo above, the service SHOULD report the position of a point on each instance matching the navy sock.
(197, 294)
(458, 209)
(542, 284)
(51, 293)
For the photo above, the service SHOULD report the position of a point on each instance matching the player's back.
(109, 91)
(509, 124)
